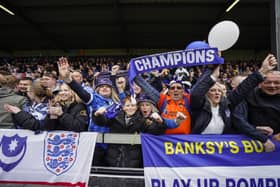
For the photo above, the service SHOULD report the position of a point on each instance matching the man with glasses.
(174, 106)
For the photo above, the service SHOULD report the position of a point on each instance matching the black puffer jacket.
(74, 118)
(128, 155)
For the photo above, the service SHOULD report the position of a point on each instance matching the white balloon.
(223, 35)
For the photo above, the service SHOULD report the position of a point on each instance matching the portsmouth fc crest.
(60, 151)
(12, 151)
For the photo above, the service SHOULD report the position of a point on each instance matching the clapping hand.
(180, 117)
(11, 108)
(54, 110)
(100, 111)
(155, 116)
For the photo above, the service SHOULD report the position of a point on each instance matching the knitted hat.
(145, 98)
(104, 81)
(122, 73)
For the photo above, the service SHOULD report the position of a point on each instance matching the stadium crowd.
(92, 94)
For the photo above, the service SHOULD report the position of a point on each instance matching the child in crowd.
(129, 121)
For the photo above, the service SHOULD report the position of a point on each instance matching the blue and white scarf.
(172, 59)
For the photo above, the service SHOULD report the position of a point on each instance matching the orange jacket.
(170, 111)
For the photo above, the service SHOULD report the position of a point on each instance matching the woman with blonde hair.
(211, 111)
(66, 111)
(103, 96)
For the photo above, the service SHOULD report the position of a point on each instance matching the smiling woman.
(66, 95)
(211, 111)
(66, 112)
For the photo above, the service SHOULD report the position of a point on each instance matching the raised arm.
(201, 87)
(65, 75)
(252, 81)
(150, 91)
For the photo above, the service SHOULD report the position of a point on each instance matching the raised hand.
(115, 69)
(64, 69)
(269, 63)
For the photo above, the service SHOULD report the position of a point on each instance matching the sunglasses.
(176, 87)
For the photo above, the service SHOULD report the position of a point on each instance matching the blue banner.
(173, 59)
(209, 161)
(206, 150)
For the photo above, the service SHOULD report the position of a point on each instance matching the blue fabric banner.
(173, 59)
(209, 161)
(205, 150)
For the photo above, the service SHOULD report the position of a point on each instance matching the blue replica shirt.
(97, 101)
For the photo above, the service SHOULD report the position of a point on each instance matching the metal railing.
(118, 138)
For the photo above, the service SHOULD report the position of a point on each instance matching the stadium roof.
(126, 24)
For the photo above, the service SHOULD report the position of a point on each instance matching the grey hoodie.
(8, 96)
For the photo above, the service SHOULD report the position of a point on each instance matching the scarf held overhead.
(173, 59)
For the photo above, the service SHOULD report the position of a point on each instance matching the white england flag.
(58, 158)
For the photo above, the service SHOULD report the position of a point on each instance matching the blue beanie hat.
(103, 81)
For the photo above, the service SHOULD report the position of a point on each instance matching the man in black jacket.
(262, 108)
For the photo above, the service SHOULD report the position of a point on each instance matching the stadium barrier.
(117, 177)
